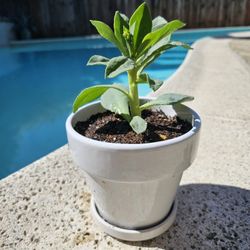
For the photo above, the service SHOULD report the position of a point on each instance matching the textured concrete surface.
(46, 205)
(242, 48)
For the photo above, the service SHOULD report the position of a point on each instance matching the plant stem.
(133, 92)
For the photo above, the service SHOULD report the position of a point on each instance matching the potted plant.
(133, 150)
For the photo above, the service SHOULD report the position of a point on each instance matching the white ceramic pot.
(134, 185)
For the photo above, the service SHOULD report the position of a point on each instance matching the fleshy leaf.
(118, 65)
(181, 44)
(115, 101)
(125, 18)
(142, 78)
(92, 93)
(167, 99)
(98, 60)
(138, 124)
(119, 25)
(158, 22)
(142, 24)
(153, 83)
(159, 48)
(153, 37)
(106, 32)
(154, 52)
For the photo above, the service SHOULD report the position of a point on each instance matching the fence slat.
(59, 18)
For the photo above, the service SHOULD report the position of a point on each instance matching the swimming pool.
(39, 81)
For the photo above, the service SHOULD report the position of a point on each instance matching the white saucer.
(134, 234)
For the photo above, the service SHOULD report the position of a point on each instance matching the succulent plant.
(140, 40)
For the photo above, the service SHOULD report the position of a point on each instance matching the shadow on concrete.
(208, 217)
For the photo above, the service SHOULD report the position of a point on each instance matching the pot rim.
(122, 146)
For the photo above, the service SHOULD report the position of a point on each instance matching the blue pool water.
(39, 81)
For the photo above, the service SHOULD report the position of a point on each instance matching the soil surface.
(110, 127)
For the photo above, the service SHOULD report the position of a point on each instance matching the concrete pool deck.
(46, 204)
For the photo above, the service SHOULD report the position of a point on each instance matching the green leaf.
(132, 29)
(154, 52)
(153, 37)
(140, 24)
(126, 34)
(167, 99)
(98, 60)
(181, 44)
(116, 101)
(153, 83)
(141, 78)
(159, 48)
(92, 93)
(158, 22)
(119, 25)
(106, 32)
(118, 65)
(125, 18)
(138, 124)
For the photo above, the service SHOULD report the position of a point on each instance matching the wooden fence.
(58, 18)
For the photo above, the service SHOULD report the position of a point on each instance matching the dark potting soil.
(110, 127)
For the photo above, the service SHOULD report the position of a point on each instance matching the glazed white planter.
(134, 185)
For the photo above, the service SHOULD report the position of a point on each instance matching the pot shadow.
(208, 217)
